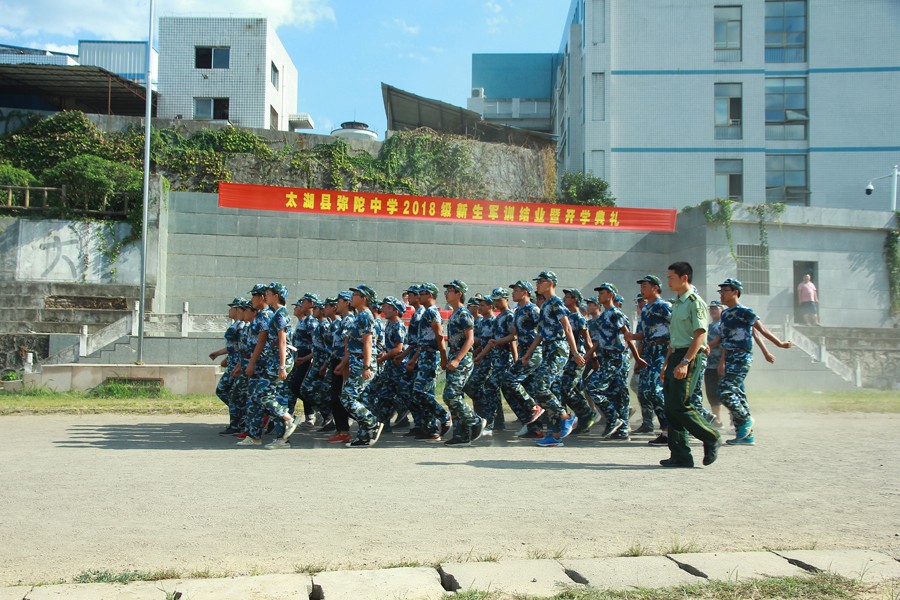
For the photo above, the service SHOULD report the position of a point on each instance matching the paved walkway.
(531, 577)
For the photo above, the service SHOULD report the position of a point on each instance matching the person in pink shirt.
(808, 297)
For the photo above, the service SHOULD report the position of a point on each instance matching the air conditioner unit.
(478, 92)
(736, 122)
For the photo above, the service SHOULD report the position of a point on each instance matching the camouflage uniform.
(315, 387)
(518, 380)
(426, 370)
(737, 343)
(354, 388)
(475, 387)
(238, 397)
(378, 338)
(555, 354)
(407, 385)
(386, 394)
(232, 347)
(463, 416)
(268, 394)
(500, 360)
(654, 325)
(570, 389)
(608, 384)
(711, 375)
(302, 341)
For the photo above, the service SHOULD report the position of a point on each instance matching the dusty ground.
(120, 492)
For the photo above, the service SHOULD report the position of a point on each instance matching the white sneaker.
(310, 421)
(487, 433)
(289, 428)
(522, 431)
(249, 441)
(277, 444)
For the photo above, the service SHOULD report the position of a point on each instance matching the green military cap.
(458, 284)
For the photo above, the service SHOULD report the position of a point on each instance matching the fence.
(53, 202)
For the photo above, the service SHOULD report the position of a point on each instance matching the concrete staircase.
(873, 353)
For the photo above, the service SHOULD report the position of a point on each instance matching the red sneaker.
(339, 438)
(533, 435)
(242, 435)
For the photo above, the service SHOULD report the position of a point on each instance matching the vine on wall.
(720, 212)
(892, 261)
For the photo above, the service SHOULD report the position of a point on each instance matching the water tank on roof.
(355, 130)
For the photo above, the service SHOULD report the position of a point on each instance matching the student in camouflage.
(608, 384)
(571, 384)
(360, 361)
(430, 343)
(557, 342)
(268, 371)
(518, 379)
(407, 359)
(456, 361)
(239, 399)
(339, 366)
(315, 386)
(739, 326)
(232, 358)
(385, 395)
(301, 340)
(714, 355)
(483, 330)
(500, 352)
(653, 333)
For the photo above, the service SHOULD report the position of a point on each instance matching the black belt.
(656, 342)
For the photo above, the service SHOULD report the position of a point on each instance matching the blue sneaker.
(747, 440)
(568, 425)
(549, 441)
(742, 431)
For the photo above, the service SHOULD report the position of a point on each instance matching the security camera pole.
(871, 188)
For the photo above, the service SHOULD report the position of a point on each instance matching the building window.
(598, 21)
(727, 25)
(730, 179)
(728, 111)
(786, 114)
(274, 76)
(211, 58)
(598, 97)
(273, 118)
(211, 108)
(785, 31)
(753, 268)
(786, 179)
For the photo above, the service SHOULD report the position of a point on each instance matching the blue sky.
(343, 49)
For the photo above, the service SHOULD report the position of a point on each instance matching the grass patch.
(543, 554)
(864, 401)
(311, 568)
(41, 401)
(106, 576)
(637, 549)
(822, 586)
(679, 547)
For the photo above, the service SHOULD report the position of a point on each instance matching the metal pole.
(894, 193)
(147, 117)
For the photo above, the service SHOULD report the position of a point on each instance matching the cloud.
(66, 48)
(436, 49)
(493, 7)
(91, 20)
(494, 23)
(405, 27)
(413, 56)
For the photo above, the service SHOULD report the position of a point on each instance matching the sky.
(343, 49)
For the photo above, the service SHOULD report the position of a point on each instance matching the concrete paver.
(868, 565)
(536, 577)
(405, 583)
(622, 572)
(262, 587)
(733, 566)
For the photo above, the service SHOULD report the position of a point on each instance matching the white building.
(225, 69)
(679, 101)
(126, 59)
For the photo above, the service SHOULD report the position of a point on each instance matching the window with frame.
(727, 33)
(211, 109)
(753, 268)
(785, 31)
(730, 179)
(728, 111)
(209, 57)
(786, 114)
(273, 118)
(274, 76)
(786, 179)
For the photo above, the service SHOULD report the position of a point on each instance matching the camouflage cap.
(245, 304)
(314, 298)
(237, 302)
(459, 284)
(548, 275)
(733, 284)
(715, 304)
(575, 293)
(653, 279)
(474, 300)
(345, 295)
(366, 292)
(608, 287)
(331, 301)
(498, 293)
(413, 289)
(278, 288)
(592, 300)
(258, 290)
(429, 288)
(619, 299)
(525, 285)
(395, 304)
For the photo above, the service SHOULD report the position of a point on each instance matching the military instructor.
(681, 370)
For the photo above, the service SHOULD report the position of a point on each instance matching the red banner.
(394, 206)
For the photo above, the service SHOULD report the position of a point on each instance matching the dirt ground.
(124, 492)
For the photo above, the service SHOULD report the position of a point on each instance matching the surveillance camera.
(869, 189)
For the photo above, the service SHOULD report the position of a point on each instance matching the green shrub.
(90, 180)
(585, 189)
(10, 175)
(46, 142)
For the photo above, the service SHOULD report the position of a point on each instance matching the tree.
(586, 189)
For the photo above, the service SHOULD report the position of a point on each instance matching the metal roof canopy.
(88, 89)
(405, 111)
